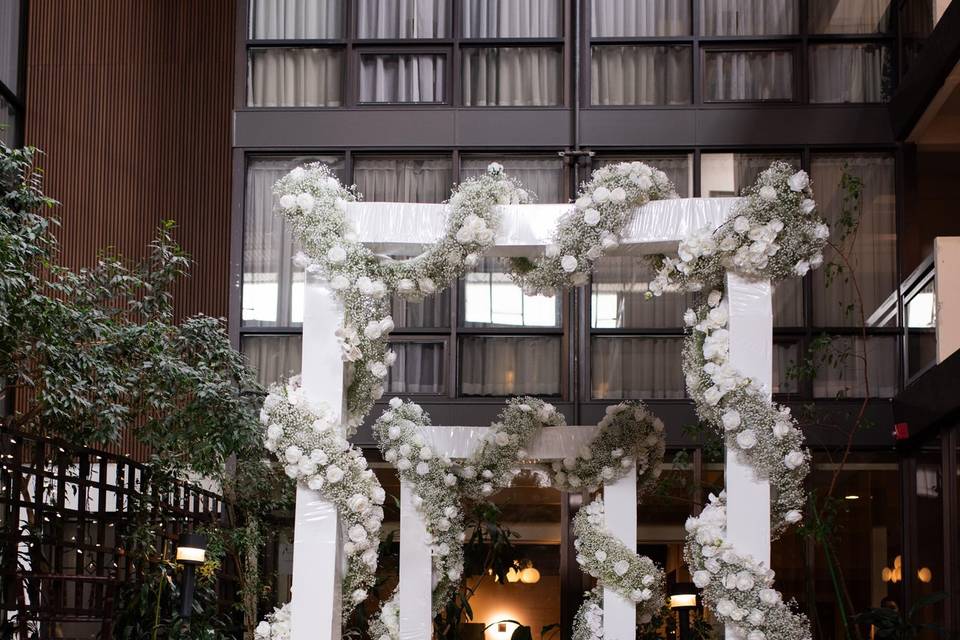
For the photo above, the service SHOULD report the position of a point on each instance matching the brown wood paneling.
(131, 103)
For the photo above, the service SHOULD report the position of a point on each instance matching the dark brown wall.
(130, 101)
(930, 204)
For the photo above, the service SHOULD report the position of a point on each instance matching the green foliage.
(889, 624)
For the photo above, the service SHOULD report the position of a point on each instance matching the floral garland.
(588, 621)
(276, 626)
(308, 441)
(594, 225)
(313, 200)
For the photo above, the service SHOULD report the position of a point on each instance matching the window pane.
(512, 19)
(295, 78)
(748, 17)
(402, 78)
(728, 174)
(844, 378)
(510, 366)
(432, 312)
(542, 176)
(873, 252)
(648, 368)
(618, 297)
(8, 122)
(679, 168)
(512, 76)
(420, 368)
(490, 298)
(403, 179)
(402, 18)
(296, 19)
(274, 357)
(640, 75)
(748, 75)
(849, 16)
(930, 539)
(272, 292)
(10, 44)
(786, 355)
(850, 73)
(632, 19)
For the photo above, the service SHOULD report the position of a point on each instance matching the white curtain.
(282, 77)
(542, 176)
(7, 122)
(9, 43)
(402, 78)
(510, 366)
(785, 356)
(649, 75)
(748, 17)
(850, 16)
(630, 18)
(419, 368)
(846, 377)
(748, 75)
(848, 72)
(512, 76)
(512, 18)
(874, 250)
(401, 18)
(618, 297)
(678, 168)
(296, 19)
(274, 357)
(638, 368)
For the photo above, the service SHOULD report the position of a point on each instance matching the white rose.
(769, 596)
(747, 439)
(293, 454)
(807, 206)
(781, 429)
(617, 194)
(701, 578)
(741, 225)
(583, 202)
(287, 201)
(798, 181)
(821, 231)
(731, 419)
(690, 317)
(601, 194)
(386, 324)
(336, 254)
(377, 369)
(600, 555)
(744, 581)
(427, 286)
(756, 635)
(768, 193)
(334, 474)
(756, 617)
(794, 459)
(373, 330)
(801, 268)
(339, 282)
(305, 201)
(358, 503)
(568, 263)
(357, 533)
(725, 607)
(502, 438)
(591, 217)
(793, 516)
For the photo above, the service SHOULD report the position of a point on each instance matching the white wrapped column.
(416, 571)
(751, 353)
(317, 552)
(620, 514)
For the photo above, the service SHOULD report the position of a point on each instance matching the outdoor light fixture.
(852, 496)
(191, 551)
(683, 598)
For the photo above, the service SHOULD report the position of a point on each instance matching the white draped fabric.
(511, 18)
(274, 357)
(403, 78)
(296, 19)
(636, 368)
(281, 77)
(848, 72)
(640, 75)
(401, 18)
(403, 179)
(748, 17)
(9, 46)
(850, 16)
(629, 18)
(419, 368)
(748, 75)
(512, 76)
(6, 122)
(496, 366)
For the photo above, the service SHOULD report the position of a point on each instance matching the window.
(643, 367)
(632, 19)
(506, 366)
(640, 75)
(286, 77)
(678, 167)
(275, 357)
(748, 17)
(402, 19)
(543, 176)
(8, 122)
(854, 363)
(420, 367)
(511, 18)
(512, 76)
(748, 76)
(296, 19)
(403, 179)
(402, 78)
(850, 72)
(849, 16)
(489, 298)
(10, 46)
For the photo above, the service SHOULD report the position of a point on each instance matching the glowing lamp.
(191, 551)
(513, 575)
(684, 598)
(529, 575)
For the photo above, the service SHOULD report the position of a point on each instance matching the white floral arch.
(740, 246)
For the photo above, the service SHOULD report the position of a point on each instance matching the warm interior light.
(924, 574)
(683, 600)
(191, 554)
(529, 575)
(895, 574)
(513, 575)
(852, 497)
(501, 627)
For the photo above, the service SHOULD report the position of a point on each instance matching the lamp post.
(683, 598)
(191, 551)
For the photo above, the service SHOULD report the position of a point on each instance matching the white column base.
(416, 571)
(620, 515)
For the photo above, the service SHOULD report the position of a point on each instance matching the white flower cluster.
(630, 436)
(276, 626)
(386, 624)
(309, 443)
(588, 621)
(773, 233)
(594, 225)
(615, 566)
(764, 434)
(739, 589)
(313, 200)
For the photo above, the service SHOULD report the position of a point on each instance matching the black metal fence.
(63, 514)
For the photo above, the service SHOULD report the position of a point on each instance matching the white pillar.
(317, 552)
(620, 516)
(751, 353)
(416, 570)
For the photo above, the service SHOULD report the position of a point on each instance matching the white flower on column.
(769, 596)
(305, 201)
(601, 194)
(287, 201)
(747, 439)
(807, 206)
(373, 330)
(617, 194)
(427, 286)
(568, 263)
(339, 282)
(334, 474)
(794, 459)
(336, 254)
(584, 202)
(768, 193)
(793, 516)
(406, 286)
(798, 181)
(821, 231)
(591, 217)
(621, 567)
(731, 419)
(701, 578)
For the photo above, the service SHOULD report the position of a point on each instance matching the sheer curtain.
(846, 376)
(401, 18)
(420, 368)
(648, 75)
(512, 18)
(9, 44)
(874, 248)
(849, 72)
(748, 17)
(618, 297)
(785, 356)
(489, 297)
(274, 357)
(7, 122)
(641, 368)
(849, 16)
(296, 19)
(510, 366)
(281, 77)
(402, 78)
(630, 18)
(679, 168)
(542, 176)
(512, 76)
(748, 75)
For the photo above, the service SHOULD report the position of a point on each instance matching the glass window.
(272, 292)
(512, 76)
(512, 18)
(679, 168)
(849, 358)
(283, 77)
(402, 18)
(850, 73)
(275, 357)
(506, 366)
(849, 16)
(927, 576)
(632, 19)
(8, 122)
(786, 355)
(642, 367)
(403, 179)
(640, 75)
(432, 311)
(873, 238)
(401, 78)
(539, 175)
(733, 76)
(420, 367)
(618, 297)
(748, 17)
(489, 298)
(10, 44)
(296, 19)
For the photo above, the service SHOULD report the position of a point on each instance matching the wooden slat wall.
(131, 102)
